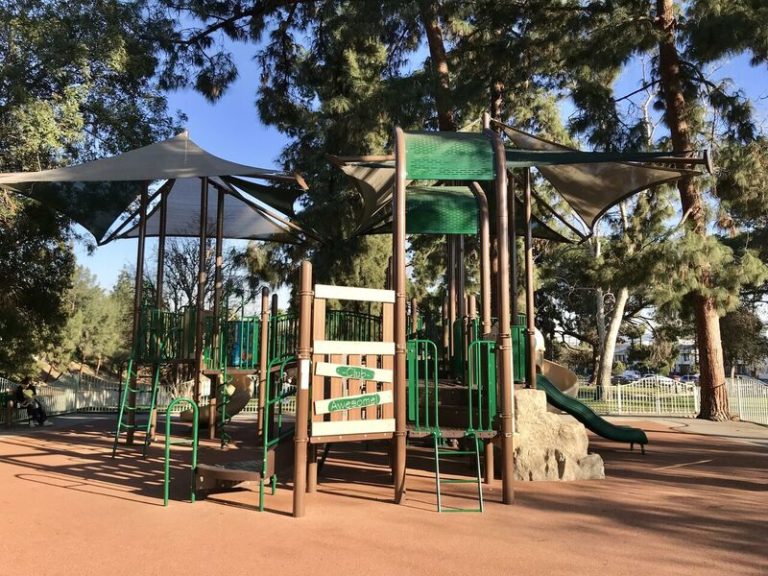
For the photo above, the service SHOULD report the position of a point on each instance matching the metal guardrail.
(748, 399)
(659, 396)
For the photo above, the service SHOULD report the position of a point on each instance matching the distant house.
(687, 361)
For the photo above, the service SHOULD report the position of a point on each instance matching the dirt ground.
(695, 504)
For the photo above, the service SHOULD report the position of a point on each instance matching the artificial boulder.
(550, 446)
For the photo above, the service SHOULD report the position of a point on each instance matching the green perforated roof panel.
(448, 156)
(440, 210)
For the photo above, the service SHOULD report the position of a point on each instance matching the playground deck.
(694, 505)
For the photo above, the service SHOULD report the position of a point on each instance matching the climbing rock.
(550, 446)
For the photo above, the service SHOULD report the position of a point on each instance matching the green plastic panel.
(448, 156)
(440, 210)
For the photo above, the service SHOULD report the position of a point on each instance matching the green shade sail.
(448, 156)
(440, 210)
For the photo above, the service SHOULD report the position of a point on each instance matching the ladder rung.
(456, 452)
(458, 481)
(449, 509)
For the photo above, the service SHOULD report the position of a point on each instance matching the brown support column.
(137, 298)
(485, 258)
(263, 359)
(530, 369)
(301, 436)
(218, 283)
(504, 356)
(451, 272)
(159, 281)
(398, 260)
(513, 249)
(201, 281)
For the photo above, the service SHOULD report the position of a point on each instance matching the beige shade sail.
(243, 218)
(590, 189)
(95, 194)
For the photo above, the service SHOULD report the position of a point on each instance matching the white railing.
(88, 394)
(748, 399)
(650, 396)
(659, 396)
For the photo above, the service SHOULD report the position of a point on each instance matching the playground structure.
(363, 377)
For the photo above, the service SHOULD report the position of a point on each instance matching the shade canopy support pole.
(201, 282)
(138, 296)
(485, 258)
(219, 360)
(530, 331)
(504, 339)
(398, 260)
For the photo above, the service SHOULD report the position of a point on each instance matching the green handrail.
(422, 358)
(273, 398)
(481, 385)
(169, 442)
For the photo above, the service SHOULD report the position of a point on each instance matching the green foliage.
(744, 340)
(36, 267)
(92, 333)
(703, 265)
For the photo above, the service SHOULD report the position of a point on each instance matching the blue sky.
(231, 129)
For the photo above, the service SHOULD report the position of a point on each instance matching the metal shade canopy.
(242, 218)
(591, 182)
(95, 194)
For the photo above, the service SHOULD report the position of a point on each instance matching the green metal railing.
(481, 385)
(422, 364)
(283, 335)
(348, 325)
(168, 442)
(272, 413)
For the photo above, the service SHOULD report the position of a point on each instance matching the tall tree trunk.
(609, 343)
(600, 310)
(714, 398)
(611, 333)
(439, 58)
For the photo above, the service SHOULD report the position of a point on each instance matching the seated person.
(26, 397)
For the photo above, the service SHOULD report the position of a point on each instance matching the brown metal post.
(263, 358)
(218, 284)
(530, 332)
(451, 272)
(485, 258)
(137, 299)
(398, 260)
(301, 436)
(504, 356)
(160, 277)
(201, 281)
(159, 281)
(513, 249)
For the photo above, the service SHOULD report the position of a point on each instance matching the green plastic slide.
(587, 417)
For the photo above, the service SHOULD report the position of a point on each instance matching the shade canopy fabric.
(590, 182)
(242, 217)
(429, 210)
(95, 194)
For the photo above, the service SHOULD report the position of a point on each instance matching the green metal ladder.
(180, 442)
(125, 409)
(450, 452)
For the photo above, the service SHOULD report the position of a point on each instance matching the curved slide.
(586, 416)
(239, 396)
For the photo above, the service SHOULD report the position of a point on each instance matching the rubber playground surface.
(695, 504)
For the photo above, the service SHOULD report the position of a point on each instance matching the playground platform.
(695, 504)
